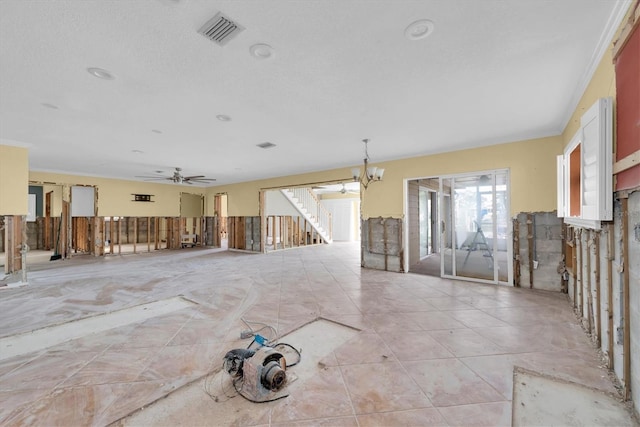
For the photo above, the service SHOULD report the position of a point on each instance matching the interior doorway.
(467, 226)
(424, 238)
(428, 219)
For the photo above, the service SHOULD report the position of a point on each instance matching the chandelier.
(369, 173)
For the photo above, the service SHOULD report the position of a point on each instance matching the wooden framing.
(112, 233)
(156, 234)
(626, 342)
(610, 259)
(579, 270)
(530, 247)
(176, 238)
(135, 233)
(628, 162)
(82, 235)
(119, 228)
(574, 263)
(98, 241)
(597, 279)
(64, 235)
(632, 22)
(48, 223)
(516, 253)
(262, 201)
(590, 318)
(305, 233)
(12, 243)
(273, 233)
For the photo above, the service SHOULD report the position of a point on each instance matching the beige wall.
(115, 195)
(14, 180)
(532, 167)
(56, 198)
(602, 85)
(191, 205)
(531, 164)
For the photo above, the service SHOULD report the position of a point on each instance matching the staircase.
(306, 202)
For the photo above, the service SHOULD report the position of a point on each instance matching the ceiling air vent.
(220, 29)
(266, 145)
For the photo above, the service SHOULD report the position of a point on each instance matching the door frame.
(509, 237)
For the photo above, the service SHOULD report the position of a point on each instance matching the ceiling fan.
(337, 188)
(344, 190)
(178, 178)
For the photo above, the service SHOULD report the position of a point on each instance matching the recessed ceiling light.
(261, 51)
(223, 118)
(100, 73)
(159, 171)
(419, 29)
(266, 145)
(156, 131)
(46, 104)
(137, 151)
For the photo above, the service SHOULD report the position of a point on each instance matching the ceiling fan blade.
(201, 179)
(157, 179)
(194, 176)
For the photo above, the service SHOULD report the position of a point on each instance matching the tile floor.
(430, 351)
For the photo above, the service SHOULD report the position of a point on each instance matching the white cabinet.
(585, 180)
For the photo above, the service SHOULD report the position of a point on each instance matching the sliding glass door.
(475, 227)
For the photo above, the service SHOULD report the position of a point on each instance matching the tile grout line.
(346, 389)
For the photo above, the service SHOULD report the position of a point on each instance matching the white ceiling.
(343, 70)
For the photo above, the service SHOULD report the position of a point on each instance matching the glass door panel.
(475, 229)
(503, 227)
(473, 201)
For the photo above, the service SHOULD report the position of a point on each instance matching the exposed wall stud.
(530, 247)
(610, 258)
(597, 278)
(580, 271)
(625, 286)
(590, 319)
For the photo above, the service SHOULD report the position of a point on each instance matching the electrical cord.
(298, 353)
(265, 326)
(208, 384)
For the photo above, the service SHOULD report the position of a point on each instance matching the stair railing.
(309, 201)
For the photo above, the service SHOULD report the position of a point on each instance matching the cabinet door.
(596, 175)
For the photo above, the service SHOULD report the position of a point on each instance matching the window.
(585, 189)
